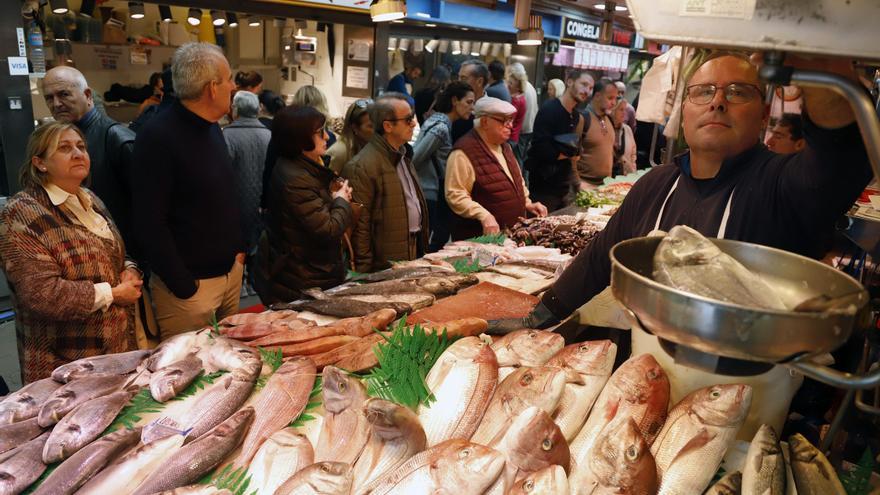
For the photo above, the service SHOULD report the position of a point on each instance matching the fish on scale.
(345, 429)
(525, 348)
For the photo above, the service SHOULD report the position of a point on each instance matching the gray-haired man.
(186, 208)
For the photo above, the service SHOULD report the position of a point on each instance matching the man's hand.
(130, 275)
(127, 293)
(490, 225)
(537, 209)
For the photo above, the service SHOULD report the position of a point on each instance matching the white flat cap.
(488, 105)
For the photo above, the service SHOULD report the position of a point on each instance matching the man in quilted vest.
(484, 186)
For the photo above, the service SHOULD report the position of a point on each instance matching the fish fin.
(698, 441)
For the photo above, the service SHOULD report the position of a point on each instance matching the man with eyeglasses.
(393, 225)
(484, 186)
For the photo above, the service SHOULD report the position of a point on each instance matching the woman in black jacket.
(301, 246)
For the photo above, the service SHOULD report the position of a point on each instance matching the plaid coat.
(52, 265)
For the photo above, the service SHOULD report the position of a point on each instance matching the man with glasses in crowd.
(393, 225)
(484, 186)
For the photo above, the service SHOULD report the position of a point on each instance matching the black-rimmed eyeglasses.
(703, 94)
(408, 118)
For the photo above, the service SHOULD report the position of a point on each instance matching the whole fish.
(540, 386)
(127, 473)
(344, 307)
(432, 284)
(697, 434)
(454, 466)
(25, 403)
(685, 260)
(63, 400)
(525, 348)
(548, 481)
(170, 380)
(813, 474)
(588, 365)
(764, 469)
(115, 364)
(282, 455)
(395, 436)
(194, 460)
(282, 399)
(15, 434)
(533, 442)
(85, 463)
(226, 354)
(178, 347)
(730, 484)
(638, 389)
(620, 462)
(197, 490)
(23, 468)
(264, 317)
(462, 380)
(321, 478)
(345, 429)
(84, 424)
(220, 400)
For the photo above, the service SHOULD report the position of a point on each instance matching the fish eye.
(528, 486)
(526, 379)
(533, 335)
(715, 393)
(325, 468)
(632, 452)
(653, 374)
(582, 348)
(465, 453)
(547, 444)
(342, 386)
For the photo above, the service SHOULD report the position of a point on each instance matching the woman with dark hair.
(301, 246)
(249, 81)
(270, 104)
(357, 130)
(431, 150)
(426, 96)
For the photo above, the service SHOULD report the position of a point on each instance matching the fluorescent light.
(136, 10)
(430, 25)
(194, 17)
(387, 10)
(217, 18)
(231, 19)
(165, 13)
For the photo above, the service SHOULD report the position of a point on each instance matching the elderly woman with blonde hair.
(73, 290)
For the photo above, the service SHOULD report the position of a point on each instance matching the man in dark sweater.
(497, 87)
(729, 184)
(549, 162)
(185, 206)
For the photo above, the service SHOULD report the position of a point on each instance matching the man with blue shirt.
(403, 82)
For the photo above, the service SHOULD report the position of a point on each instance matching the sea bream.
(548, 481)
(813, 474)
(620, 462)
(588, 365)
(84, 424)
(15, 434)
(167, 382)
(462, 381)
(64, 399)
(282, 455)
(454, 466)
(115, 364)
(178, 347)
(540, 386)
(86, 462)
(321, 478)
(192, 461)
(25, 403)
(221, 399)
(395, 436)
(764, 469)
(345, 429)
(23, 468)
(688, 261)
(697, 434)
(525, 348)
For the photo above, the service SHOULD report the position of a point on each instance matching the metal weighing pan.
(715, 328)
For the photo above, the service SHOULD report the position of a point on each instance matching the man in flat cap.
(484, 186)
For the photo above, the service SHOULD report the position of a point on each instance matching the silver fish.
(395, 436)
(548, 481)
(687, 261)
(588, 365)
(83, 424)
(454, 466)
(432, 284)
(730, 484)
(345, 429)
(170, 380)
(525, 348)
(697, 434)
(764, 469)
(114, 364)
(813, 474)
(321, 478)
(15, 434)
(344, 307)
(23, 468)
(25, 403)
(85, 463)
(220, 400)
(124, 475)
(191, 462)
(281, 456)
(620, 462)
(63, 400)
(462, 380)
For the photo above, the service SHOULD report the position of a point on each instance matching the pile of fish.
(569, 233)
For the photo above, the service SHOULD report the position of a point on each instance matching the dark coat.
(301, 247)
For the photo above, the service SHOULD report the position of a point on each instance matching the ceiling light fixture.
(444, 46)
(136, 10)
(475, 49)
(231, 19)
(418, 46)
(254, 21)
(533, 35)
(430, 25)
(431, 46)
(59, 6)
(456, 47)
(194, 17)
(387, 10)
(404, 44)
(392, 44)
(165, 13)
(217, 18)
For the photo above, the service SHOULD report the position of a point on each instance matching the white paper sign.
(18, 66)
(357, 77)
(21, 46)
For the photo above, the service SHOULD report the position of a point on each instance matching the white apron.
(772, 391)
